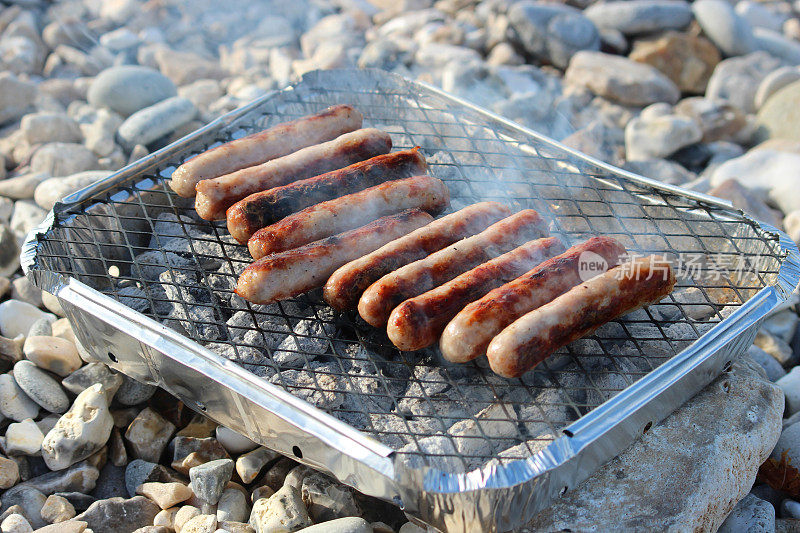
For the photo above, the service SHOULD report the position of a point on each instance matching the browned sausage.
(258, 210)
(418, 322)
(440, 267)
(346, 285)
(263, 146)
(534, 336)
(350, 211)
(468, 334)
(294, 272)
(216, 195)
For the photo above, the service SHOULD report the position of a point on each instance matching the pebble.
(29, 500)
(731, 33)
(209, 479)
(16, 97)
(777, 45)
(14, 403)
(327, 499)
(86, 376)
(234, 442)
(760, 16)
(9, 256)
(165, 518)
(778, 115)
(688, 60)
(719, 120)
(57, 509)
(640, 16)
(45, 127)
(71, 526)
(148, 435)
(52, 353)
(736, 80)
(152, 123)
(41, 328)
(747, 201)
(750, 514)
(133, 392)
(23, 438)
(249, 465)
(190, 451)
(26, 216)
(9, 473)
(166, 495)
(350, 524)
(788, 443)
(790, 384)
(16, 318)
(791, 224)
(553, 32)
(790, 509)
(127, 89)
(41, 387)
(659, 136)
(21, 187)
(82, 431)
(119, 515)
(63, 159)
(203, 523)
(52, 190)
(15, 523)
(766, 171)
(620, 79)
(772, 83)
(138, 472)
(232, 506)
(184, 514)
(25, 291)
(284, 510)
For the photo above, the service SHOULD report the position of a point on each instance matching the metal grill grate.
(144, 246)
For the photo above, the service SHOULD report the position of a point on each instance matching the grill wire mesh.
(142, 245)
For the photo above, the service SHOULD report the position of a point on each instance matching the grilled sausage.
(578, 312)
(296, 271)
(261, 209)
(418, 322)
(346, 285)
(263, 146)
(216, 195)
(348, 212)
(469, 333)
(440, 267)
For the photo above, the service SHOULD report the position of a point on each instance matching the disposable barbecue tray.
(148, 287)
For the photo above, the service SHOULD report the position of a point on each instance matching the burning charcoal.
(319, 385)
(523, 450)
(494, 427)
(134, 297)
(169, 226)
(437, 451)
(309, 340)
(155, 262)
(192, 304)
(258, 329)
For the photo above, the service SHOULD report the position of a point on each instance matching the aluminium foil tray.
(148, 288)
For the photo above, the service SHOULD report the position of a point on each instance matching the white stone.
(166, 495)
(752, 514)
(773, 82)
(790, 508)
(63, 159)
(148, 435)
(9, 473)
(16, 97)
(53, 190)
(203, 523)
(15, 523)
(57, 509)
(183, 515)
(249, 465)
(759, 15)
(14, 403)
(687, 472)
(151, 123)
(83, 430)
(234, 442)
(789, 444)
(232, 506)
(23, 438)
(40, 387)
(42, 128)
(21, 187)
(791, 223)
(349, 524)
(661, 136)
(16, 318)
(731, 33)
(283, 511)
(767, 171)
(26, 216)
(57, 355)
(119, 39)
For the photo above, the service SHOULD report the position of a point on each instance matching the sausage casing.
(413, 279)
(296, 271)
(277, 141)
(578, 312)
(418, 322)
(348, 283)
(470, 331)
(216, 195)
(261, 209)
(351, 211)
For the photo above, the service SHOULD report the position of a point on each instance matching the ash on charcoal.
(258, 329)
(320, 385)
(169, 226)
(308, 340)
(192, 304)
(153, 263)
(134, 297)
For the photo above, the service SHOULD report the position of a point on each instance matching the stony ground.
(705, 95)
